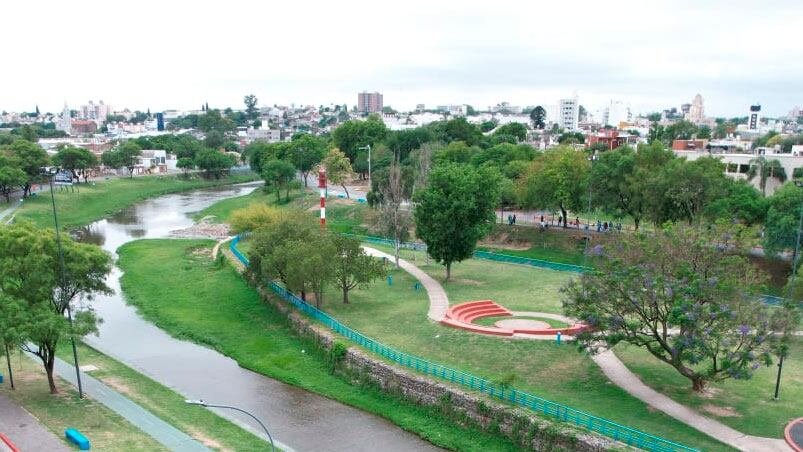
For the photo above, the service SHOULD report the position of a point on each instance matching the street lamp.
(367, 146)
(51, 172)
(209, 405)
(790, 289)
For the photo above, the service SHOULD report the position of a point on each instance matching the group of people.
(602, 226)
(511, 219)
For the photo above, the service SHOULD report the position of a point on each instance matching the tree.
(278, 174)
(556, 179)
(128, 154)
(306, 152)
(75, 160)
(186, 164)
(742, 202)
(456, 210)
(688, 187)
(213, 139)
(765, 169)
(12, 328)
(782, 218)
(459, 129)
(538, 117)
(515, 129)
(213, 162)
(31, 159)
(11, 177)
(351, 266)
(250, 102)
(338, 168)
(213, 120)
(31, 272)
(572, 138)
(394, 221)
(352, 135)
(688, 303)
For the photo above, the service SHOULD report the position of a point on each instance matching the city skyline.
(661, 56)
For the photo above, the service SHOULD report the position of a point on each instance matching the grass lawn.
(746, 405)
(105, 429)
(205, 426)
(98, 199)
(491, 320)
(396, 315)
(241, 326)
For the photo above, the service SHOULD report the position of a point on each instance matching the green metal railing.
(537, 404)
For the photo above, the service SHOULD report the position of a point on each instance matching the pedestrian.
(577, 222)
(605, 226)
(542, 219)
(514, 218)
(509, 219)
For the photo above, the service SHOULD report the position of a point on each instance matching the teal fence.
(537, 404)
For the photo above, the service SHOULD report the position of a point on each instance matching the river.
(297, 419)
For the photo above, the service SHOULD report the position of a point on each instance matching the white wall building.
(568, 113)
(696, 112)
(737, 164)
(616, 112)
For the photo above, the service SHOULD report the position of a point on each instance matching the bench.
(75, 437)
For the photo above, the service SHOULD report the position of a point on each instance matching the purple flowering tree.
(684, 298)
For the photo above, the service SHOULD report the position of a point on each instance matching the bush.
(253, 217)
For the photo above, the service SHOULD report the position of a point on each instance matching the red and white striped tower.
(322, 187)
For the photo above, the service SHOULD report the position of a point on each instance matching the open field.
(91, 202)
(241, 326)
(105, 429)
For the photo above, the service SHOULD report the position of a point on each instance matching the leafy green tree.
(31, 159)
(571, 138)
(351, 266)
(76, 160)
(186, 164)
(278, 174)
(783, 216)
(214, 139)
(455, 152)
(765, 169)
(487, 126)
(538, 117)
(742, 202)
(30, 271)
(455, 210)
(556, 180)
(13, 319)
(306, 152)
(214, 163)
(352, 135)
(213, 120)
(125, 156)
(250, 102)
(338, 168)
(11, 177)
(459, 129)
(403, 142)
(689, 304)
(514, 129)
(688, 187)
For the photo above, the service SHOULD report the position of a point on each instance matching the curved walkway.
(616, 371)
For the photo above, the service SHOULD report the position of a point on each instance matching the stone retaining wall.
(465, 408)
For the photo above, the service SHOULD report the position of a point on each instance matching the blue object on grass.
(75, 437)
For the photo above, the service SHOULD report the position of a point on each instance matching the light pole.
(368, 146)
(790, 289)
(592, 158)
(209, 405)
(51, 173)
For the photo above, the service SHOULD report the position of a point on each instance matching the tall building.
(696, 113)
(64, 124)
(754, 117)
(568, 113)
(616, 112)
(369, 102)
(95, 112)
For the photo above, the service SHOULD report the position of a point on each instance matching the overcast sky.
(178, 54)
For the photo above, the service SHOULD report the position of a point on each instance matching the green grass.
(216, 307)
(205, 426)
(487, 321)
(105, 429)
(396, 315)
(96, 200)
(746, 405)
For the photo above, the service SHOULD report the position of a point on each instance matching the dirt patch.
(203, 229)
(207, 441)
(709, 393)
(202, 252)
(117, 385)
(721, 411)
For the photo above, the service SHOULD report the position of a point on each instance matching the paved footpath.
(7, 212)
(438, 301)
(169, 436)
(24, 430)
(621, 376)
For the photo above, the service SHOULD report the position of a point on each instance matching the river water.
(297, 419)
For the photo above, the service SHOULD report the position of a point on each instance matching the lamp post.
(790, 289)
(51, 173)
(209, 405)
(368, 146)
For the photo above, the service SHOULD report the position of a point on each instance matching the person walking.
(514, 218)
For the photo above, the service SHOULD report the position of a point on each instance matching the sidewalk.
(7, 213)
(169, 436)
(24, 430)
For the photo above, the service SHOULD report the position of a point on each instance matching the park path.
(617, 373)
(620, 375)
(169, 436)
(438, 301)
(7, 213)
(24, 430)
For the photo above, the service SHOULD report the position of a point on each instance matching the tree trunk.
(563, 211)
(303, 295)
(398, 247)
(636, 222)
(698, 384)
(49, 365)
(10, 373)
(346, 190)
(345, 295)
(448, 270)
(305, 175)
(278, 195)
